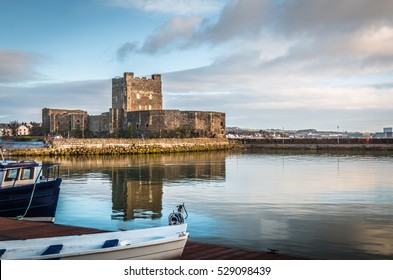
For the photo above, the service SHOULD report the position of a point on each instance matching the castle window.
(138, 96)
(140, 107)
(147, 124)
(149, 107)
(137, 125)
(150, 96)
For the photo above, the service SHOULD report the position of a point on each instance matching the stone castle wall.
(175, 123)
(62, 121)
(99, 124)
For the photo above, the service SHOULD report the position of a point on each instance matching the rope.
(20, 217)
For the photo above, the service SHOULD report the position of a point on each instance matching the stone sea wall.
(116, 146)
(317, 144)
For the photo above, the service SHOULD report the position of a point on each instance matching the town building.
(388, 131)
(23, 130)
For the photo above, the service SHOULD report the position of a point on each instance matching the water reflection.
(137, 182)
(328, 206)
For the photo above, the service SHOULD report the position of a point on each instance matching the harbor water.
(316, 205)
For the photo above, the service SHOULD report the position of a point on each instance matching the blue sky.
(290, 64)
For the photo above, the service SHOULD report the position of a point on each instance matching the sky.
(281, 64)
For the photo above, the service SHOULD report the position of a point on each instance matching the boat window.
(11, 175)
(27, 174)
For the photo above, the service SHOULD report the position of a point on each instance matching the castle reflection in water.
(138, 181)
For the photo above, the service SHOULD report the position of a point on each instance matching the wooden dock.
(11, 229)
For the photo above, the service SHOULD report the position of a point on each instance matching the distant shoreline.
(319, 144)
(323, 147)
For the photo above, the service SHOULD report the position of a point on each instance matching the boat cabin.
(15, 173)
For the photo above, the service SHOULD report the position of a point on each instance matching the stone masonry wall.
(117, 146)
(143, 93)
(62, 121)
(175, 123)
(131, 93)
(125, 142)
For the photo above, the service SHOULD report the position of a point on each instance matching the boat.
(29, 189)
(158, 243)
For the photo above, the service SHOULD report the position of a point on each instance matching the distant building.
(388, 131)
(23, 130)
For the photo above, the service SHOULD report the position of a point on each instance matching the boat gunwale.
(172, 238)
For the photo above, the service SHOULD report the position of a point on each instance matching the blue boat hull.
(14, 201)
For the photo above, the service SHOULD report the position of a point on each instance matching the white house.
(23, 130)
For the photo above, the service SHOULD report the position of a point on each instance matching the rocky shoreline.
(115, 146)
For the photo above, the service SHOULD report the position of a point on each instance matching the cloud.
(237, 19)
(125, 50)
(178, 7)
(322, 18)
(26, 103)
(310, 20)
(19, 66)
(284, 58)
(175, 33)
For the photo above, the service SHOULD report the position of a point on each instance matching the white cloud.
(374, 40)
(19, 66)
(27, 102)
(177, 32)
(178, 7)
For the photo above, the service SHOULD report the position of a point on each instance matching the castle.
(137, 111)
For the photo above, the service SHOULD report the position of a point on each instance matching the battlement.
(130, 75)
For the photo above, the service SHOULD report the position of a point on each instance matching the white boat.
(165, 242)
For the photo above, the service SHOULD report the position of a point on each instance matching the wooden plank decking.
(11, 229)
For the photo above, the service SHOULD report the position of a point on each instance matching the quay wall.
(116, 146)
(317, 144)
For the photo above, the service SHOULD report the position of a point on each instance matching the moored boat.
(28, 189)
(165, 242)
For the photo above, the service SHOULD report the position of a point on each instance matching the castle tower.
(131, 93)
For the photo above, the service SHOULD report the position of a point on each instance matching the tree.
(13, 125)
(36, 129)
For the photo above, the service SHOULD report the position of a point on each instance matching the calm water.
(329, 206)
